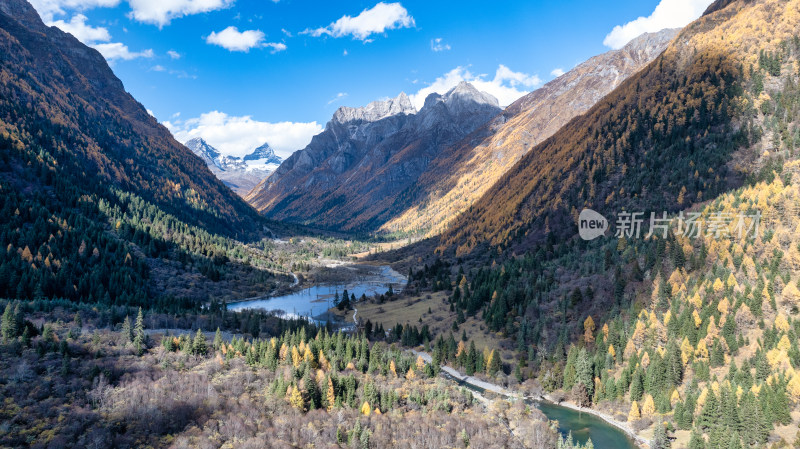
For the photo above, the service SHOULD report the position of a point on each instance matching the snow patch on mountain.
(241, 174)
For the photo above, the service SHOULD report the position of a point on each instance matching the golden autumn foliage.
(588, 329)
(648, 407)
(295, 398)
(330, 395)
(634, 414)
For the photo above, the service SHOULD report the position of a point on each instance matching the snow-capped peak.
(376, 110)
(264, 152)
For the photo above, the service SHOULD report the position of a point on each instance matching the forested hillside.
(683, 130)
(96, 195)
(71, 382)
(691, 334)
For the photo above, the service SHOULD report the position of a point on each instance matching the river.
(315, 301)
(582, 425)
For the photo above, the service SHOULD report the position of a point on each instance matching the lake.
(315, 301)
(584, 426)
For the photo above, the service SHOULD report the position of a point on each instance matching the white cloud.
(158, 12)
(668, 14)
(276, 46)
(438, 45)
(238, 136)
(378, 19)
(93, 36)
(174, 54)
(158, 68)
(85, 33)
(507, 85)
(161, 12)
(558, 71)
(117, 50)
(338, 97)
(234, 40)
(47, 9)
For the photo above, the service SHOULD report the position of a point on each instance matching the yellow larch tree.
(702, 350)
(793, 387)
(588, 330)
(296, 398)
(686, 351)
(331, 395)
(634, 414)
(781, 323)
(296, 358)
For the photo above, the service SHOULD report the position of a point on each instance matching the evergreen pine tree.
(138, 333)
(199, 344)
(709, 416)
(8, 329)
(127, 330)
(734, 442)
(637, 387)
(584, 373)
(696, 441)
(217, 340)
(660, 440)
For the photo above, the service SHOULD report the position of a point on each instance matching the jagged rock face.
(240, 174)
(206, 152)
(462, 173)
(265, 154)
(349, 176)
(375, 111)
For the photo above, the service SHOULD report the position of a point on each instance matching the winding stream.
(315, 301)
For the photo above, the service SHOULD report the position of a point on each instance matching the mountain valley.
(622, 243)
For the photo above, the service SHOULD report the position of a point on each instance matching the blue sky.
(237, 72)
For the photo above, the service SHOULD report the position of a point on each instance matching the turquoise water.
(314, 302)
(584, 426)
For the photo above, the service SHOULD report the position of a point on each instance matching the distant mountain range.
(388, 167)
(350, 175)
(463, 172)
(241, 174)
